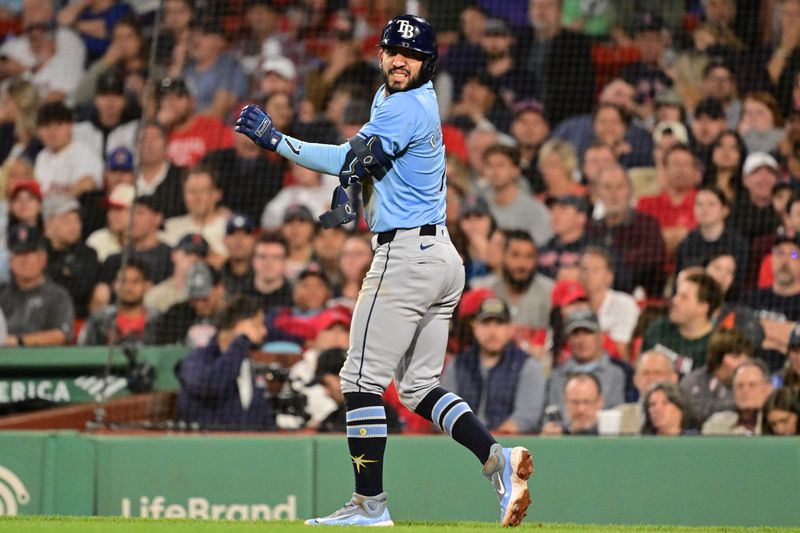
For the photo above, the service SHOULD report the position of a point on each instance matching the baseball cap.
(32, 186)
(24, 238)
(120, 159)
(648, 21)
(298, 212)
(173, 85)
(578, 202)
(110, 82)
(59, 204)
(240, 222)
(149, 201)
(122, 196)
(282, 66)
(474, 205)
(710, 107)
(581, 319)
(330, 317)
(496, 26)
(529, 105)
(313, 269)
(471, 301)
(495, 308)
(193, 243)
(200, 281)
(566, 292)
(329, 361)
(757, 160)
(676, 129)
(782, 238)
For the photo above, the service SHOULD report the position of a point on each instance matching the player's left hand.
(258, 126)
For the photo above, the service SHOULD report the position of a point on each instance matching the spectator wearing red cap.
(25, 204)
(70, 262)
(192, 248)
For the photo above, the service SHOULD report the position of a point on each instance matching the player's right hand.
(257, 125)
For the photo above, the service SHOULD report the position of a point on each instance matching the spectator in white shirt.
(53, 57)
(65, 164)
(617, 311)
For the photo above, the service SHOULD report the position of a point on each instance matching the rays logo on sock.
(360, 462)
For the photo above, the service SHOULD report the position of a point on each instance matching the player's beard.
(413, 83)
(518, 286)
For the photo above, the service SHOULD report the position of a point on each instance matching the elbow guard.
(365, 158)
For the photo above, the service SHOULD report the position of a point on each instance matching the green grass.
(65, 524)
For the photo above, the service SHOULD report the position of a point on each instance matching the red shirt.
(668, 214)
(188, 145)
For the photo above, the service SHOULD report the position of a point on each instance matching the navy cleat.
(509, 469)
(359, 511)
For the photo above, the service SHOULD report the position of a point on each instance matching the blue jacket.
(209, 394)
(502, 382)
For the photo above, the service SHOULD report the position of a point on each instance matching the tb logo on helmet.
(406, 29)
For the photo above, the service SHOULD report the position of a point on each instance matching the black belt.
(388, 236)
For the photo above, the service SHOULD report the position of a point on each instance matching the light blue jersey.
(412, 193)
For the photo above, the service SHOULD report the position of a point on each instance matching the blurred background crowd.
(623, 183)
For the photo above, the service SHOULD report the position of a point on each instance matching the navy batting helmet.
(414, 33)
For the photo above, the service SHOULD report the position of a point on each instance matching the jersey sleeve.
(394, 122)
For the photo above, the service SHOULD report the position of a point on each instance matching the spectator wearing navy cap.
(568, 215)
(70, 262)
(648, 75)
(190, 321)
(191, 249)
(202, 196)
(112, 120)
(38, 311)
(119, 169)
(240, 242)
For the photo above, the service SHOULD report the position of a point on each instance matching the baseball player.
(400, 322)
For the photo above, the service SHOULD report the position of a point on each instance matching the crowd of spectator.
(623, 184)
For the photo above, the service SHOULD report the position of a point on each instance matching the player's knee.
(410, 398)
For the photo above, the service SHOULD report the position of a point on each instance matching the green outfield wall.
(683, 481)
